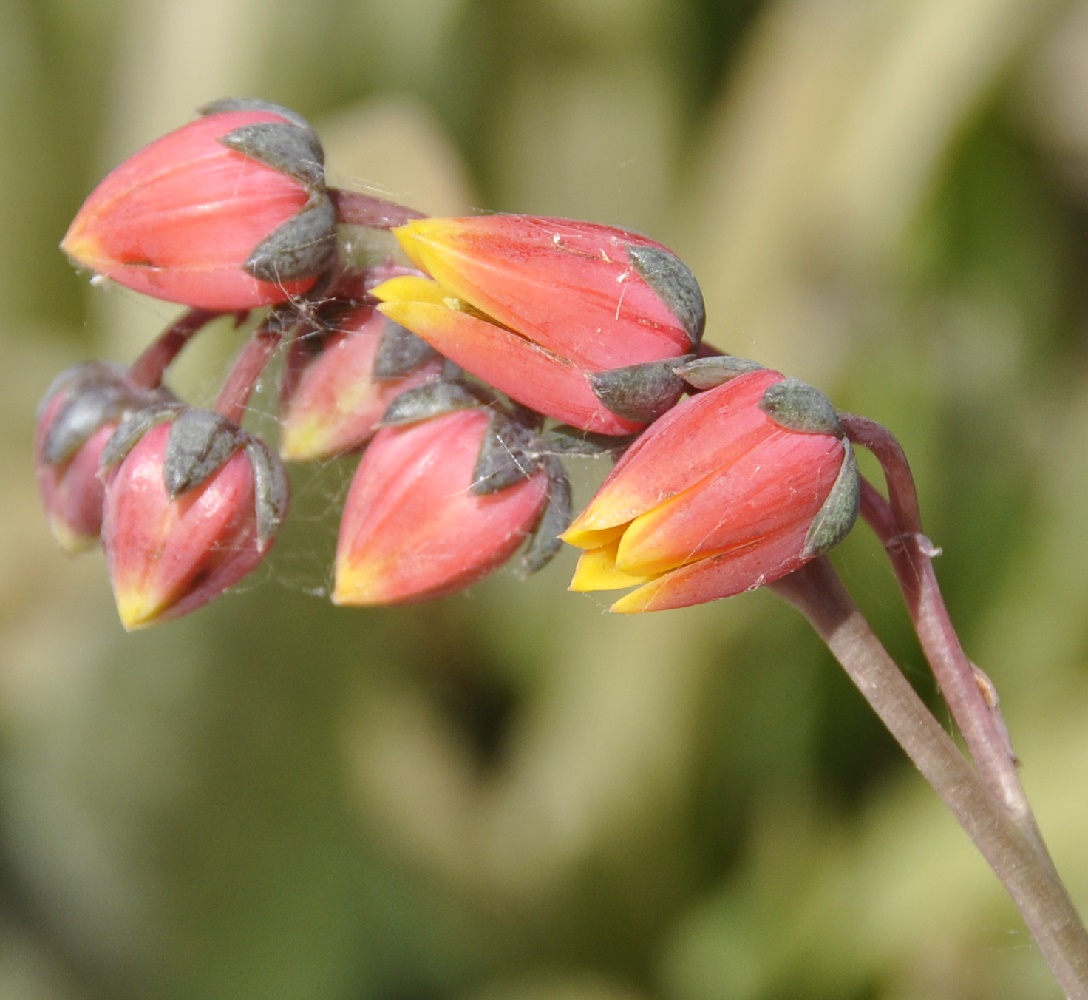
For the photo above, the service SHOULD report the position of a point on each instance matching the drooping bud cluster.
(462, 358)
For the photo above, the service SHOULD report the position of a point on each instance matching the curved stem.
(148, 369)
(247, 368)
(1012, 852)
(968, 693)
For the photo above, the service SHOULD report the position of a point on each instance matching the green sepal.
(506, 456)
(672, 281)
(545, 543)
(798, 406)
(200, 443)
(431, 399)
(709, 373)
(400, 352)
(836, 517)
(639, 392)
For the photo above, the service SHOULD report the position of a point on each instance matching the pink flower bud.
(730, 490)
(414, 528)
(338, 397)
(537, 307)
(191, 507)
(227, 213)
(76, 418)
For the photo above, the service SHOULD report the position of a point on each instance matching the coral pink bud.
(728, 491)
(539, 307)
(192, 505)
(226, 213)
(340, 394)
(414, 528)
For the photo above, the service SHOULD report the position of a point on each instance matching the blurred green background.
(510, 794)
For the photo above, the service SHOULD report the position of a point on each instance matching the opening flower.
(541, 308)
(730, 490)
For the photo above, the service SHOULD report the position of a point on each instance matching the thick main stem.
(1011, 851)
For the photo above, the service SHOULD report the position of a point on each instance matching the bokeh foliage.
(510, 794)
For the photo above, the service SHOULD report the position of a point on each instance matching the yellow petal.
(591, 538)
(637, 601)
(596, 570)
(432, 245)
(410, 288)
(138, 608)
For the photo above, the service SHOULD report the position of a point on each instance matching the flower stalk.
(966, 691)
(1015, 855)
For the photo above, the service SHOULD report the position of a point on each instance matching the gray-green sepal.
(639, 392)
(97, 393)
(573, 441)
(200, 443)
(302, 247)
(135, 425)
(709, 373)
(836, 517)
(672, 281)
(225, 104)
(798, 406)
(554, 520)
(287, 148)
(431, 399)
(271, 491)
(505, 457)
(400, 352)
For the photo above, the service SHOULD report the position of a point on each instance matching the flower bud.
(76, 418)
(339, 394)
(423, 518)
(228, 212)
(539, 308)
(730, 490)
(192, 505)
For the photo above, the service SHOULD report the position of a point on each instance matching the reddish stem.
(150, 367)
(969, 695)
(247, 368)
(353, 208)
(1014, 853)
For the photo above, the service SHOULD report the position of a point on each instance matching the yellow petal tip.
(596, 570)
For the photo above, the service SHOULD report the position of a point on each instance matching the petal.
(695, 439)
(412, 529)
(714, 578)
(771, 493)
(167, 557)
(337, 402)
(596, 570)
(534, 377)
(568, 286)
